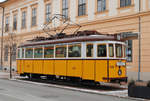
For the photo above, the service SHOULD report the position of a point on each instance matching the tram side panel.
(37, 66)
(19, 66)
(88, 70)
(22, 67)
(101, 70)
(48, 67)
(74, 68)
(60, 67)
(28, 66)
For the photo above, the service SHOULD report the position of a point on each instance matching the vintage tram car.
(87, 55)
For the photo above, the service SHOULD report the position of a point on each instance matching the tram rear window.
(49, 52)
(22, 52)
(101, 51)
(111, 50)
(118, 50)
(18, 53)
(60, 51)
(29, 53)
(38, 53)
(74, 50)
(89, 50)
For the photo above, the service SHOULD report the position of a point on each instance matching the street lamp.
(2, 38)
(139, 63)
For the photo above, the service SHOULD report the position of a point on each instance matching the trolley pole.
(2, 38)
(139, 63)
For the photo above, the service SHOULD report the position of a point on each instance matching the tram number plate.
(121, 64)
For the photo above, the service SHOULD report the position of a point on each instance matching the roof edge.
(2, 4)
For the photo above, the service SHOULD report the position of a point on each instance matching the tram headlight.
(119, 72)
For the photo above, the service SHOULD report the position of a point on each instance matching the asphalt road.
(18, 91)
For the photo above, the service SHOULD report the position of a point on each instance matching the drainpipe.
(1, 65)
(139, 64)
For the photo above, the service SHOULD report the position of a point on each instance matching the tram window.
(22, 52)
(101, 51)
(89, 50)
(49, 52)
(29, 53)
(111, 50)
(60, 51)
(38, 53)
(124, 51)
(74, 50)
(118, 50)
(18, 53)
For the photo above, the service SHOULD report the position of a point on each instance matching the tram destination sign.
(127, 36)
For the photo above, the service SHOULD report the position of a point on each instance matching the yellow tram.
(87, 55)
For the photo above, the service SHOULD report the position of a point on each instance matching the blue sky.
(2, 0)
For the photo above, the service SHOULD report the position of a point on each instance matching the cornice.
(7, 2)
(135, 15)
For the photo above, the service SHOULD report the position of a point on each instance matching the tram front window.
(74, 50)
(60, 51)
(118, 50)
(111, 50)
(89, 50)
(101, 51)
(29, 53)
(49, 52)
(38, 53)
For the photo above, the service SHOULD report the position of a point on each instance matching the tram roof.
(82, 36)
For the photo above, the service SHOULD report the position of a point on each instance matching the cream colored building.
(106, 16)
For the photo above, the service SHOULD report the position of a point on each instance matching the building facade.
(26, 19)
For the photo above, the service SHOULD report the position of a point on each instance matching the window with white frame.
(101, 50)
(29, 53)
(7, 24)
(60, 51)
(22, 53)
(18, 53)
(49, 52)
(101, 5)
(74, 50)
(81, 7)
(89, 50)
(124, 3)
(38, 52)
(15, 22)
(48, 12)
(65, 8)
(23, 25)
(34, 16)
(111, 50)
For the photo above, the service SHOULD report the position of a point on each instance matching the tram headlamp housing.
(119, 72)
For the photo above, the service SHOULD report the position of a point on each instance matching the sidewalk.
(6, 74)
